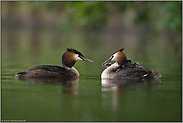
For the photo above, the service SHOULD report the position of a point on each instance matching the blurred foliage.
(89, 13)
(165, 14)
(94, 15)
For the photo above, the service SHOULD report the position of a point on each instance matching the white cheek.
(77, 58)
(115, 57)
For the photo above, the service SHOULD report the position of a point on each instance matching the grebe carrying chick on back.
(69, 58)
(125, 69)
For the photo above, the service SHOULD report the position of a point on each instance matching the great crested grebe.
(69, 58)
(125, 69)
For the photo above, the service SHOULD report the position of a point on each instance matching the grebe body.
(125, 69)
(69, 58)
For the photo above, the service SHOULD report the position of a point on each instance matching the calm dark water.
(88, 99)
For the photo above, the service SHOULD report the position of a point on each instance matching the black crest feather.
(121, 49)
(74, 51)
(118, 50)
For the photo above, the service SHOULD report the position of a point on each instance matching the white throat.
(105, 73)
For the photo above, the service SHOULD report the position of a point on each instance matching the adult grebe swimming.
(69, 58)
(125, 69)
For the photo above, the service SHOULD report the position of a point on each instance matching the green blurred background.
(161, 18)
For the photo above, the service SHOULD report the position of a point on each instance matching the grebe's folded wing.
(131, 72)
(51, 68)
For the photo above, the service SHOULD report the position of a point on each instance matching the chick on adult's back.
(125, 69)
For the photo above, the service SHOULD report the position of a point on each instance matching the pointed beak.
(85, 59)
(108, 60)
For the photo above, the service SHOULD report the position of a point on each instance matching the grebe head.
(117, 56)
(70, 57)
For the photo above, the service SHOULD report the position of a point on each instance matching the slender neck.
(105, 73)
(72, 71)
